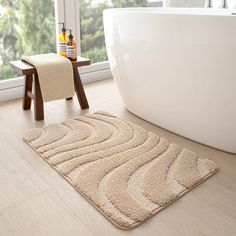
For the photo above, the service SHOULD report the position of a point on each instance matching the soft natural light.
(24, 31)
(28, 32)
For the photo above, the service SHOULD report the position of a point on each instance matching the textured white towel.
(55, 75)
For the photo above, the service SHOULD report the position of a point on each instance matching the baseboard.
(11, 94)
(13, 89)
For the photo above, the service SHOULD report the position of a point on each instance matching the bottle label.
(70, 51)
(62, 46)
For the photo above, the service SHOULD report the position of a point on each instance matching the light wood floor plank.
(15, 184)
(45, 214)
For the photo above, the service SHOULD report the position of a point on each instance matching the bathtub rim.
(174, 11)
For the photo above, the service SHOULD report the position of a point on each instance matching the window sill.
(13, 88)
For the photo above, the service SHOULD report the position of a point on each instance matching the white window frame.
(69, 12)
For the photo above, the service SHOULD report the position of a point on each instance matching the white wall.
(194, 3)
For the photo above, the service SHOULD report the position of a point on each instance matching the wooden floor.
(35, 200)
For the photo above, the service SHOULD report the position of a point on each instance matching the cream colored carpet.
(126, 172)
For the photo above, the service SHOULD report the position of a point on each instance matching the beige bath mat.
(126, 172)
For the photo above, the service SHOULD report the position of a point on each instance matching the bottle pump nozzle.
(63, 26)
(70, 35)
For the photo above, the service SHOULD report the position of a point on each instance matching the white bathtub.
(177, 69)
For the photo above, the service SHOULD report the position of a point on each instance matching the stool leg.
(38, 100)
(28, 88)
(79, 89)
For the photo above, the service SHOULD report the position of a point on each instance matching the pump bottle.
(62, 40)
(71, 48)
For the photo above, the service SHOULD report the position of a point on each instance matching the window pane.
(27, 27)
(92, 35)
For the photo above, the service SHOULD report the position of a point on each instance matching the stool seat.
(32, 82)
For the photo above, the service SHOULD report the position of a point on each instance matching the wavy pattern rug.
(126, 172)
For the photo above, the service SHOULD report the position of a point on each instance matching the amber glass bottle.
(71, 48)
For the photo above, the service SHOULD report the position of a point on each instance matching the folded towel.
(55, 75)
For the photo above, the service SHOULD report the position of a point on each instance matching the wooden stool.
(30, 74)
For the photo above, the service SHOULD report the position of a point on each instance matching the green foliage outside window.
(27, 27)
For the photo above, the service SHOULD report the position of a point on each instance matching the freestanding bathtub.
(177, 69)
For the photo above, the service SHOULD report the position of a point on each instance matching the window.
(27, 27)
(92, 35)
